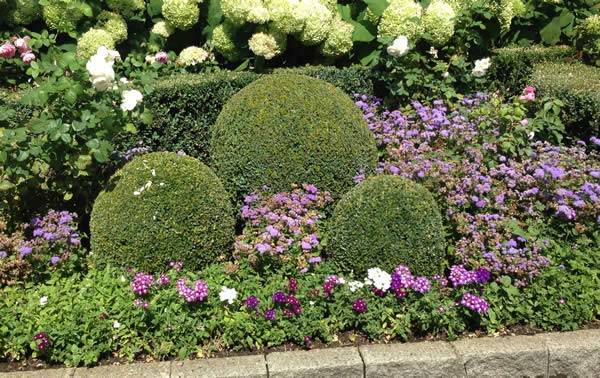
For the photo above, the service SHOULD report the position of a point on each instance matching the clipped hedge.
(162, 207)
(186, 106)
(284, 129)
(578, 86)
(512, 67)
(384, 222)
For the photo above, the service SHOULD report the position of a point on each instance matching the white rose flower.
(43, 300)
(399, 47)
(227, 295)
(131, 98)
(100, 68)
(381, 279)
(481, 67)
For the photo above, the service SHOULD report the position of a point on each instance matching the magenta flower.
(252, 302)
(42, 341)
(198, 293)
(270, 314)
(161, 57)
(359, 306)
(141, 283)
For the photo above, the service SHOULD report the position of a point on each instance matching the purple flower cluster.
(139, 149)
(456, 153)
(141, 283)
(252, 302)
(330, 283)
(359, 306)
(140, 303)
(474, 303)
(460, 276)
(283, 226)
(42, 341)
(403, 281)
(197, 293)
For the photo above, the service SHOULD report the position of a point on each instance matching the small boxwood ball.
(384, 222)
(284, 129)
(162, 207)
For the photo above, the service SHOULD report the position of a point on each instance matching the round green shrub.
(162, 207)
(284, 129)
(384, 222)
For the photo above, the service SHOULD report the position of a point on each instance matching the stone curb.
(571, 354)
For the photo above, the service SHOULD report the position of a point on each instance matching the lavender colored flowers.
(283, 226)
(474, 303)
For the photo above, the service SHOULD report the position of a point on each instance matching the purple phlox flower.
(197, 293)
(359, 306)
(141, 283)
(421, 285)
(252, 302)
(474, 303)
(279, 297)
(270, 314)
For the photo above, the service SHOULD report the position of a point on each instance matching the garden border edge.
(574, 353)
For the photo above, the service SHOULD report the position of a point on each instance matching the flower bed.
(521, 217)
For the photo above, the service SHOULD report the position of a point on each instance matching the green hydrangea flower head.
(181, 14)
(285, 16)
(239, 12)
(114, 24)
(126, 8)
(22, 12)
(438, 22)
(223, 41)
(163, 28)
(317, 22)
(190, 56)
(339, 41)
(267, 44)
(401, 17)
(372, 17)
(89, 42)
(62, 16)
(506, 10)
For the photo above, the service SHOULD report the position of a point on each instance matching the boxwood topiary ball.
(284, 129)
(384, 222)
(162, 207)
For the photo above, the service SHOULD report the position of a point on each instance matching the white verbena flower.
(481, 67)
(227, 294)
(381, 279)
(116, 324)
(399, 47)
(355, 285)
(131, 98)
(43, 300)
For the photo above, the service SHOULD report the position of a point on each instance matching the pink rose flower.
(21, 44)
(528, 94)
(28, 57)
(161, 57)
(7, 50)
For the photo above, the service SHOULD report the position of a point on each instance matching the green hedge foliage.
(162, 207)
(185, 107)
(578, 87)
(512, 67)
(284, 129)
(386, 221)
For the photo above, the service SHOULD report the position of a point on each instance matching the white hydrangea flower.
(481, 67)
(267, 45)
(43, 300)
(163, 28)
(130, 99)
(381, 279)
(438, 22)
(317, 22)
(399, 47)
(190, 56)
(401, 17)
(285, 15)
(355, 285)
(227, 294)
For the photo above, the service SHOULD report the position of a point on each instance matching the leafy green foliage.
(162, 207)
(577, 86)
(284, 129)
(512, 67)
(387, 221)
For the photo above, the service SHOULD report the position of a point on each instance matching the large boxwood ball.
(284, 129)
(384, 222)
(162, 207)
